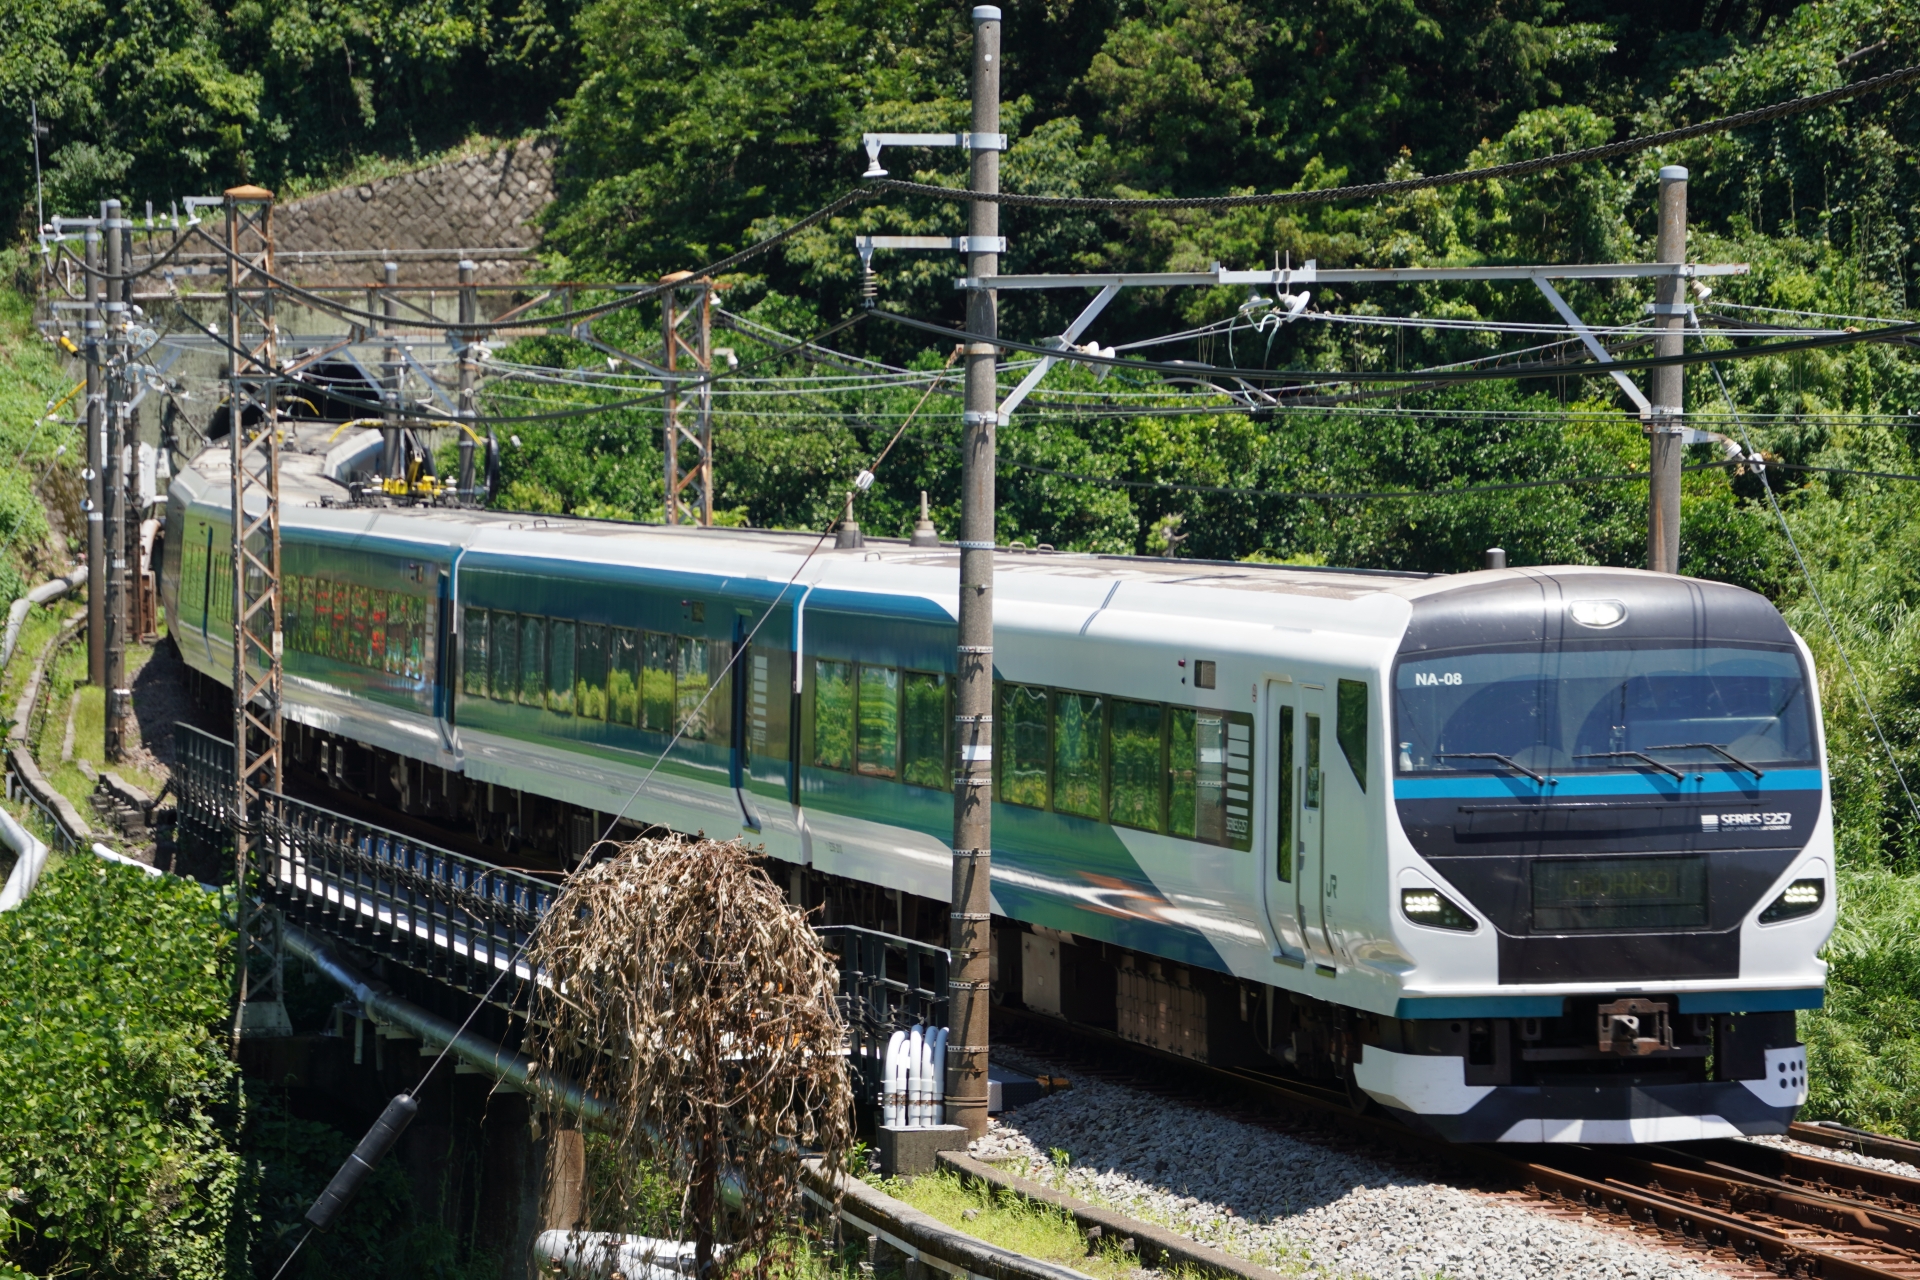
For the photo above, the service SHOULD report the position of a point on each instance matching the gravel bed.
(1299, 1207)
(1834, 1154)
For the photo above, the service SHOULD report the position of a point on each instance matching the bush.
(114, 1137)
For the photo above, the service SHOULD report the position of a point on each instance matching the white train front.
(1523, 855)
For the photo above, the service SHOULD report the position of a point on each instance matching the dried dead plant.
(680, 985)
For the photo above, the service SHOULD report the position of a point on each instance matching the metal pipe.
(383, 1006)
(29, 860)
(96, 461)
(46, 592)
(113, 487)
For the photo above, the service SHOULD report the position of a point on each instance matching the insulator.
(869, 286)
(379, 1140)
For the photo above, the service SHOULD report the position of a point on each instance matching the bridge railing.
(464, 920)
(887, 984)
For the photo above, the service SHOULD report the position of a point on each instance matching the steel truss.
(254, 440)
(689, 416)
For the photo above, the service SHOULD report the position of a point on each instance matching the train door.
(1282, 840)
(1317, 882)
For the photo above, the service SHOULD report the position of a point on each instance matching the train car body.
(1522, 855)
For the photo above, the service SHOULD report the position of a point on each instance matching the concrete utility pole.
(972, 902)
(469, 313)
(113, 482)
(1666, 432)
(96, 461)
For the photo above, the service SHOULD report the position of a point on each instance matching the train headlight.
(1801, 898)
(1433, 908)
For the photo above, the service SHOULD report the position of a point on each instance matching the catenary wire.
(1813, 588)
(1363, 191)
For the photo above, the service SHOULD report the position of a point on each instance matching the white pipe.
(937, 1073)
(101, 851)
(892, 1099)
(47, 591)
(29, 860)
(916, 1051)
(580, 1254)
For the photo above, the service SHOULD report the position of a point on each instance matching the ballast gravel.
(1297, 1206)
(1838, 1156)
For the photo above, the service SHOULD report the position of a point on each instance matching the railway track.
(1769, 1208)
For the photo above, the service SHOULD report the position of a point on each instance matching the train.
(1521, 855)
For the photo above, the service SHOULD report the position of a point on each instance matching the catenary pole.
(393, 459)
(972, 900)
(1666, 432)
(96, 461)
(113, 482)
(469, 312)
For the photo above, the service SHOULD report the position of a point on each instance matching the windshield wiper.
(1716, 749)
(1508, 761)
(1634, 755)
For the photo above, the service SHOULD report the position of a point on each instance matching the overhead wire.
(1369, 190)
(1819, 599)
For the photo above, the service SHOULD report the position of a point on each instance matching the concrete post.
(971, 903)
(1666, 432)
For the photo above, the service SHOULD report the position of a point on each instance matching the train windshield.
(1593, 709)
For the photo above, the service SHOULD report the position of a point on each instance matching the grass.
(89, 726)
(1014, 1222)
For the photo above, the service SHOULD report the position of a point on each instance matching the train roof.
(314, 496)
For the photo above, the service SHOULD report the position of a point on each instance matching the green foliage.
(385, 1236)
(113, 990)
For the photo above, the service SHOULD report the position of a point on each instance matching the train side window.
(359, 634)
(533, 660)
(381, 655)
(656, 683)
(832, 714)
(769, 669)
(1283, 799)
(1078, 721)
(1023, 745)
(690, 690)
(590, 672)
(413, 611)
(560, 666)
(1134, 769)
(1209, 776)
(718, 716)
(923, 731)
(877, 749)
(623, 676)
(1311, 799)
(505, 683)
(1350, 726)
(1180, 770)
(473, 653)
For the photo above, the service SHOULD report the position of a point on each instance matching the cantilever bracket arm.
(1599, 352)
(873, 142)
(1074, 330)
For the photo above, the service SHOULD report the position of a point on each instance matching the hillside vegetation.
(691, 130)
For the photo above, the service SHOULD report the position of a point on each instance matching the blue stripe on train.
(1648, 783)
